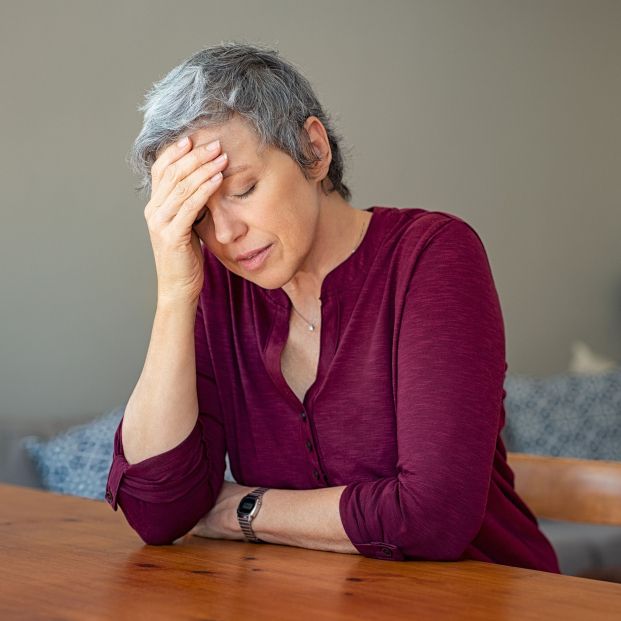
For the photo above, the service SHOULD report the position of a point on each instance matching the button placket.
(318, 475)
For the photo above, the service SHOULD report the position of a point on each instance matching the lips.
(257, 261)
(249, 255)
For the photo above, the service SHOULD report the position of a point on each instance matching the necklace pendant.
(311, 328)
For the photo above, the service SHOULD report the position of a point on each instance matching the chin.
(267, 281)
(271, 278)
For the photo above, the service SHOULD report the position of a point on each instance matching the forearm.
(163, 408)
(303, 518)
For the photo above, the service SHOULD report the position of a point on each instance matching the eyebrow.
(231, 170)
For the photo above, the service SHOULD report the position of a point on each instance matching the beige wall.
(504, 113)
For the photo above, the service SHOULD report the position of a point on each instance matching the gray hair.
(235, 78)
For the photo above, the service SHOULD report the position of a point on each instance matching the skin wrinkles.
(229, 171)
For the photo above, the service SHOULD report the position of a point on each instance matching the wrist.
(176, 306)
(248, 510)
(234, 500)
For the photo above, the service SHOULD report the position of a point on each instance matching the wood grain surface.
(69, 558)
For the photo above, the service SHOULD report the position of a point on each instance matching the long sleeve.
(450, 374)
(164, 496)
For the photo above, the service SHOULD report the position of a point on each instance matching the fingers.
(169, 155)
(173, 164)
(186, 215)
(176, 163)
(191, 193)
(183, 181)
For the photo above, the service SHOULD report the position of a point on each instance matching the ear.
(318, 138)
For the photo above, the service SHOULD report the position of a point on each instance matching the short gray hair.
(217, 82)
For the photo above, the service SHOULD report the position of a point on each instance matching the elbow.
(159, 524)
(450, 549)
(160, 536)
(439, 545)
(408, 523)
(435, 547)
(162, 530)
(445, 531)
(451, 538)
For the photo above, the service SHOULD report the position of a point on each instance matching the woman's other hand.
(183, 179)
(221, 522)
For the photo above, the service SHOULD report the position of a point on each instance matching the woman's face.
(263, 199)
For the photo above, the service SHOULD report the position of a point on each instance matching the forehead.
(235, 135)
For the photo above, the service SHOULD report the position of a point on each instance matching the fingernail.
(183, 142)
(212, 146)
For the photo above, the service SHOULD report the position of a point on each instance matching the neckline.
(347, 270)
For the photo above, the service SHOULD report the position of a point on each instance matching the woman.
(350, 361)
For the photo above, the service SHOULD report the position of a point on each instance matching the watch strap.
(245, 521)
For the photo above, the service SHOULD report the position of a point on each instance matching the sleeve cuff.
(118, 469)
(372, 549)
(380, 550)
(145, 480)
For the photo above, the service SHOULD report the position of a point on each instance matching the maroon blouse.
(405, 411)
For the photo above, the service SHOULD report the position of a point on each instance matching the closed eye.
(247, 193)
(204, 211)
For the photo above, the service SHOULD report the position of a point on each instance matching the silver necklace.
(312, 326)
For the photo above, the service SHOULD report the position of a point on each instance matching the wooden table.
(63, 557)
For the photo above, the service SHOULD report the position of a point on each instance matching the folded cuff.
(172, 473)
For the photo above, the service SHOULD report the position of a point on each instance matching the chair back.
(563, 488)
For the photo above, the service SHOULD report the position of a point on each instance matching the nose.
(227, 227)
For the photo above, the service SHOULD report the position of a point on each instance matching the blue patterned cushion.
(566, 415)
(77, 461)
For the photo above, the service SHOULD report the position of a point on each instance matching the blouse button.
(309, 445)
(303, 416)
(386, 551)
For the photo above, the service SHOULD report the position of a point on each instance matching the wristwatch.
(247, 510)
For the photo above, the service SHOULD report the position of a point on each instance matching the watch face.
(247, 505)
